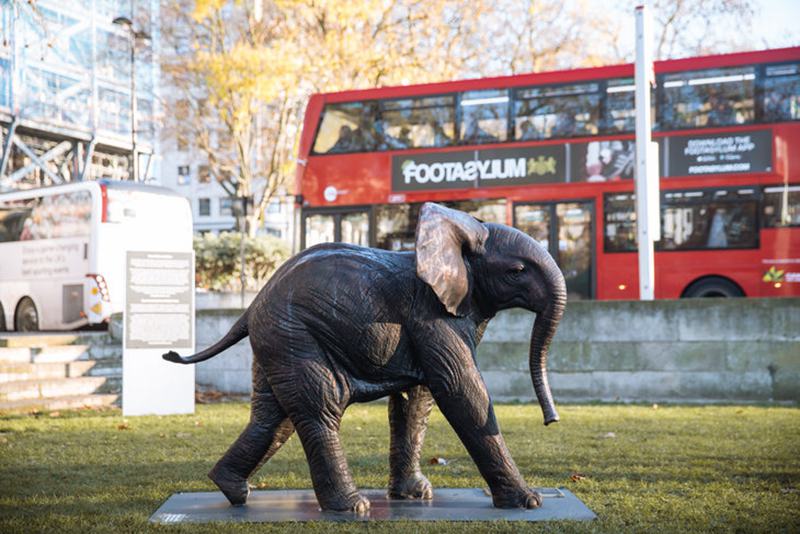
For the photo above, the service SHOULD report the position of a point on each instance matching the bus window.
(355, 228)
(782, 92)
(534, 220)
(396, 224)
(484, 116)
(557, 111)
(725, 218)
(347, 128)
(620, 113)
(417, 123)
(619, 234)
(490, 211)
(781, 206)
(717, 97)
(319, 229)
(574, 227)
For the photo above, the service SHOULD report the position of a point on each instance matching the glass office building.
(65, 90)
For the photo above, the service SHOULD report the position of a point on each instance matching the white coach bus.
(62, 249)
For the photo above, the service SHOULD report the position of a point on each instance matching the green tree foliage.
(218, 261)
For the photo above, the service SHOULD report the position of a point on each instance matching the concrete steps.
(58, 371)
(77, 402)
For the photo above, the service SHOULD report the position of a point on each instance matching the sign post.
(647, 200)
(159, 316)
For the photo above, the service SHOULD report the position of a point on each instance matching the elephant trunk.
(544, 328)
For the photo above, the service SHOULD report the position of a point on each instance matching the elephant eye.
(516, 269)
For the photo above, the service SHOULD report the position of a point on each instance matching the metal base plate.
(301, 505)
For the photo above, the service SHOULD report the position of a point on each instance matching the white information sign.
(159, 317)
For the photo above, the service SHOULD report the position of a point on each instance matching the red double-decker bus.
(553, 155)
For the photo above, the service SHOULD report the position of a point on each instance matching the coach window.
(619, 234)
(347, 127)
(15, 217)
(557, 111)
(484, 117)
(781, 100)
(782, 206)
(717, 97)
(710, 219)
(416, 122)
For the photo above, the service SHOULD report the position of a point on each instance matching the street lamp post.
(132, 36)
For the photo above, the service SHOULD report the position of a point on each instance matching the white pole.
(647, 199)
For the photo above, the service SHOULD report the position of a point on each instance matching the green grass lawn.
(674, 468)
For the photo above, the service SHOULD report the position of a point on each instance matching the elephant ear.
(442, 236)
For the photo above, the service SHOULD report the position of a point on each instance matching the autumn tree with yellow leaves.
(238, 73)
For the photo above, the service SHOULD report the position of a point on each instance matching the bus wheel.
(27, 318)
(2, 319)
(713, 286)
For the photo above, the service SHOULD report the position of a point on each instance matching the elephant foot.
(357, 503)
(415, 486)
(234, 487)
(524, 498)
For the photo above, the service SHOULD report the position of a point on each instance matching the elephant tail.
(237, 332)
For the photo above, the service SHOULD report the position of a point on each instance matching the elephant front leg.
(408, 420)
(461, 395)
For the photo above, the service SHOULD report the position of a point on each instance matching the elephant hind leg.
(268, 429)
(315, 397)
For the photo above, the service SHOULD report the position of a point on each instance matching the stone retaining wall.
(700, 350)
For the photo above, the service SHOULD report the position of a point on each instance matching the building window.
(204, 207)
(203, 174)
(184, 174)
(274, 206)
(226, 207)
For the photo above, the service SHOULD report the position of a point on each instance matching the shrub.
(218, 262)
